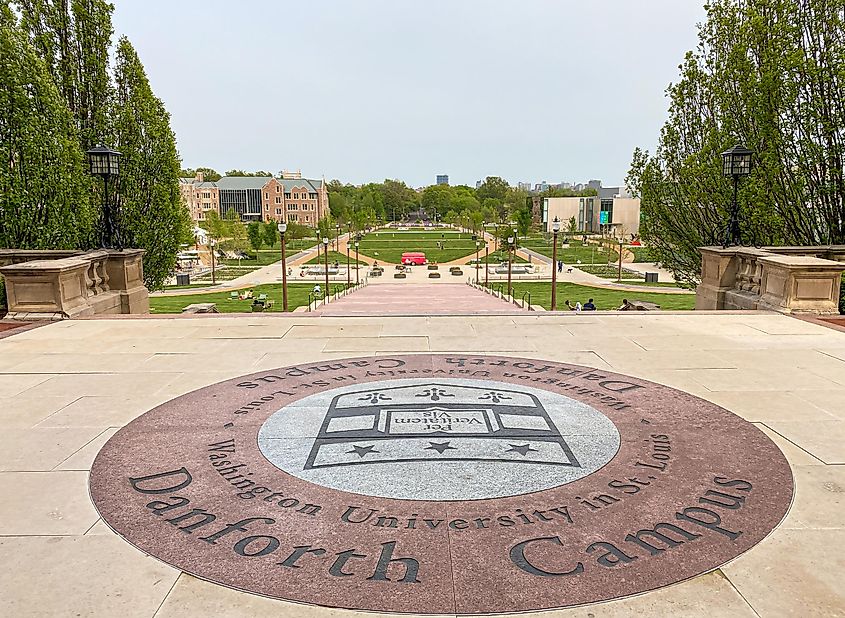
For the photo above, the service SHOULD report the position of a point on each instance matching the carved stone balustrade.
(102, 282)
(783, 279)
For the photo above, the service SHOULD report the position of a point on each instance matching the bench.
(434, 275)
(201, 308)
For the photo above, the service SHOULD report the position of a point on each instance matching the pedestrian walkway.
(417, 299)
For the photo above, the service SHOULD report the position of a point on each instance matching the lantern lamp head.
(736, 161)
(103, 161)
(556, 225)
(282, 227)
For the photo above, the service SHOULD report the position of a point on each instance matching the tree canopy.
(769, 75)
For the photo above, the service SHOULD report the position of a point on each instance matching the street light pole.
(477, 261)
(213, 243)
(348, 274)
(326, 254)
(510, 263)
(736, 163)
(337, 238)
(486, 263)
(282, 227)
(357, 263)
(555, 230)
(105, 163)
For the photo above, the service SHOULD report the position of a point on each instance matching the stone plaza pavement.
(67, 387)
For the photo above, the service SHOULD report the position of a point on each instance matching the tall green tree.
(152, 213)
(270, 233)
(254, 233)
(208, 174)
(43, 183)
(771, 75)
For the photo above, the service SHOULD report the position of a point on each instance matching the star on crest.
(521, 449)
(361, 451)
(440, 447)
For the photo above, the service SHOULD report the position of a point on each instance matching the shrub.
(2, 294)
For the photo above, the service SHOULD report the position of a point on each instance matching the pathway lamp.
(357, 263)
(510, 264)
(337, 238)
(105, 163)
(213, 243)
(555, 230)
(486, 263)
(326, 254)
(477, 260)
(736, 163)
(348, 274)
(283, 227)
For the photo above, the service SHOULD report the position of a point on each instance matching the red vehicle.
(413, 257)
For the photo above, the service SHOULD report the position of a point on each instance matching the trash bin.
(183, 279)
(651, 277)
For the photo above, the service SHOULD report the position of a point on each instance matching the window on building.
(266, 196)
(278, 188)
(287, 196)
(296, 196)
(307, 218)
(278, 199)
(278, 211)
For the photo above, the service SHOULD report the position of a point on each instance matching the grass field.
(297, 296)
(334, 256)
(499, 257)
(388, 246)
(590, 254)
(541, 294)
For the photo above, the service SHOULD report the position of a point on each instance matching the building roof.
(311, 185)
(243, 182)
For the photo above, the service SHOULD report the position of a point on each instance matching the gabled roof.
(290, 183)
(243, 182)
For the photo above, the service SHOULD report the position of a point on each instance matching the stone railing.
(103, 282)
(784, 279)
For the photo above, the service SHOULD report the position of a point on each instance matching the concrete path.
(417, 299)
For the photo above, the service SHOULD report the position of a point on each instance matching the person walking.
(560, 266)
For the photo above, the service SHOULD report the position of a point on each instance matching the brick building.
(199, 196)
(289, 198)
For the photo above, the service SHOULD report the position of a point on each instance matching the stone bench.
(201, 308)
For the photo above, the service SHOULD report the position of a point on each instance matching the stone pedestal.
(748, 278)
(103, 282)
(801, 284)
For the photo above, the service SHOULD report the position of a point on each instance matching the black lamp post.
(348, 274)
(105, 162)
(357, 263)
(555, 230)
(283, 227)
(477, 261)
(510, 263)
(736, 162)
(326, 253)
(337, 238)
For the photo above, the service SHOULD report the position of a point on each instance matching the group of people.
(588, 306)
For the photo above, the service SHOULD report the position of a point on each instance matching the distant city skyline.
(399, 89)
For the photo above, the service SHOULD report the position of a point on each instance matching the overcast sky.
(530, 90)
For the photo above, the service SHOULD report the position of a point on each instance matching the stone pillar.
(800, 284)
(718, 276)
(126, 275)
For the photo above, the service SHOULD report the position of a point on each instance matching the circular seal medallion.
(441, 484)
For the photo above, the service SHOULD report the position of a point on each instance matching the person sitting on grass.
(625, 306)
(569, 306)
(589, 306)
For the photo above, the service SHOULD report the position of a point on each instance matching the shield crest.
(437, 422)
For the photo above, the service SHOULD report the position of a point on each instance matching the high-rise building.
(443, 179)
(525, 186)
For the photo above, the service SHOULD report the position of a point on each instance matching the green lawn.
(590, 254)
(500, 257)
(388, 246)
(334, 256)
(541, 294)
(297, 296)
